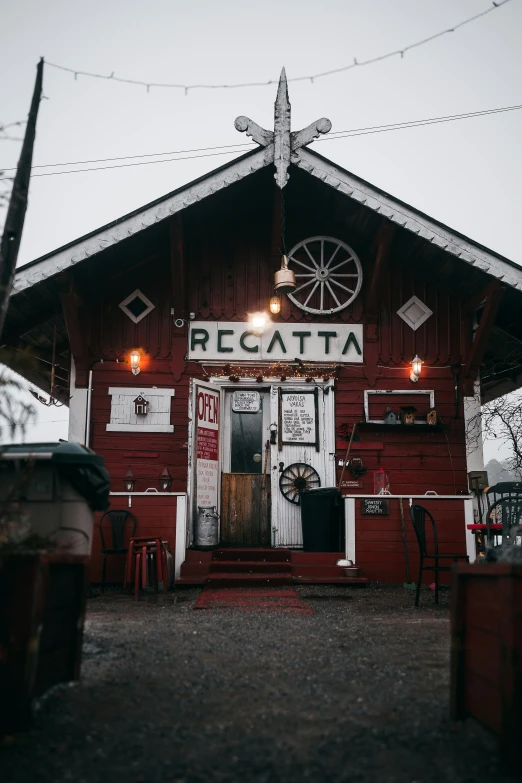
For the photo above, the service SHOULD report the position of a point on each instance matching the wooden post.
(14, 223)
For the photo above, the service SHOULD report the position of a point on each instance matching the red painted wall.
(228, 265)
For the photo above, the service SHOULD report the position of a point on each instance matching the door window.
(246, 442)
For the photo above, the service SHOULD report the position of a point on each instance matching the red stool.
(137, 556)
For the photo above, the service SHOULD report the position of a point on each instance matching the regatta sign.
(235, 341)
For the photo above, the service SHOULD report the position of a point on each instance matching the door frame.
(327, 428)
(224, 440)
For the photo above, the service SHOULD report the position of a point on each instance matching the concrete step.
(331, 580)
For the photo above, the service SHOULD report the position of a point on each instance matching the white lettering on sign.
(235, 341)
(298, 417)
(246, 402)
(207, 447)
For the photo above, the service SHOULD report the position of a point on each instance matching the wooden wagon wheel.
(297, 477)
(328, 275)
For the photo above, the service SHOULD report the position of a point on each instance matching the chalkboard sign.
(375, 507)
(299, 422)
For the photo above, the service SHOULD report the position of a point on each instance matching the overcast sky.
(465, 173)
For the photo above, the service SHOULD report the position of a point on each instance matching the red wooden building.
(169, 376)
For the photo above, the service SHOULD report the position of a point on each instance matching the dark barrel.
(322, 520)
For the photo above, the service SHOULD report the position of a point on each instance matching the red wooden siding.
(229, 264)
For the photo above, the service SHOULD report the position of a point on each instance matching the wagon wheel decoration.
(328, 275)
(297, 477)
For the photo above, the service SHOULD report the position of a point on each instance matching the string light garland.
(282, 370)
(233, 148)
(311, 78)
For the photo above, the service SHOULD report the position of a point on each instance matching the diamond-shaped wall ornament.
(136, 306)
(414, 312)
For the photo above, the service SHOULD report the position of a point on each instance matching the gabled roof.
(308, 160)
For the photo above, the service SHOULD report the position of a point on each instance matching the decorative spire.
(281, 142)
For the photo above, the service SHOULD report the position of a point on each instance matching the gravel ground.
(357, 692)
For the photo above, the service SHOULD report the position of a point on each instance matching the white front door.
(303, 453)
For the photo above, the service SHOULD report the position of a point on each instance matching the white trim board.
(326, 171)
(392, 392)
(139, 428)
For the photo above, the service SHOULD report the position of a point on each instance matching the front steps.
(248, 567)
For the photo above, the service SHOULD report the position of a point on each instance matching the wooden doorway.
(245, 483)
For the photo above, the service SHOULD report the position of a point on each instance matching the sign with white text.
(234, 341)
(207, 446)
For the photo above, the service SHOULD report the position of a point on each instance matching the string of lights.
(311, 78)
(233, 148)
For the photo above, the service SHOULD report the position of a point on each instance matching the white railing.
(349, 517)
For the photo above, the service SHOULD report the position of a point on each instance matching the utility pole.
(14, 223)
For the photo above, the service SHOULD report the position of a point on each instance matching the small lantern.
(390, 417)
(356, 467)
(135, 359)
(129, 481)
(408, 414)
(275, 304)
(416, 367)
(141, 405)
(165, 480)
(381, 482)
(284, 278)
(432, 417)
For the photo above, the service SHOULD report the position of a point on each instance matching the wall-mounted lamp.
(416, 368)
(129, 481)
(275, 304)
(284, 278)
(135, 359)
(165, 480)
(259, 322)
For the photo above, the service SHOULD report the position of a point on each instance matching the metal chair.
(117, 518)
(507, 512)
(418, 518)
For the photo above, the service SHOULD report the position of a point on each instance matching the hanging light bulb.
(284, 278)
(275, 304)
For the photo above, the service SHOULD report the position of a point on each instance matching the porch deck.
(235, 567)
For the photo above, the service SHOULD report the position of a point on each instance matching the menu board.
(246, 402)
(299, 423)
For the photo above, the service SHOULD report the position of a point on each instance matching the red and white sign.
(207, 446)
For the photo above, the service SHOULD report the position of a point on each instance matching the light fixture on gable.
(284, 278)
(259, 322)
(135, 359)
(416, 368)
(275, 304)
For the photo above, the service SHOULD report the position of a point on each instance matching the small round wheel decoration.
(297, 477)
(328, 275)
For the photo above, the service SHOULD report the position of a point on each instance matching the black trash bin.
(322, 518)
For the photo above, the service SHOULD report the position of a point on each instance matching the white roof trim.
(324, 170)
(111, 235)
(407, 218)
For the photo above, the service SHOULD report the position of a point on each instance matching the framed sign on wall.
(298, 418)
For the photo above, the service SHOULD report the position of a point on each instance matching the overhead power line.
(311, 78)
(233, 148)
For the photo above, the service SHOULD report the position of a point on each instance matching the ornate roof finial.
(282, 142)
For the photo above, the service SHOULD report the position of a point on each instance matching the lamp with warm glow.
(275, 304)
(416, 367)
(259, 322)
(134, 359)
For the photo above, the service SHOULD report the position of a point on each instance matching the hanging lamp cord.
(283, 224)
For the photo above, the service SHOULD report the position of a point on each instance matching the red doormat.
(253, 600)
